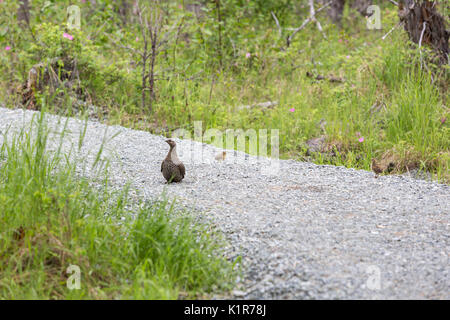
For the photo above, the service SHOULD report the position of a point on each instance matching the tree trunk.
(123, 9)
(219, 20)
(152, 73)
(425, 26)
(361, 6)
(23, 13)
(336, 9)
(144, 73)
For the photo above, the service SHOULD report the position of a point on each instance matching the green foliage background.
(221, 57)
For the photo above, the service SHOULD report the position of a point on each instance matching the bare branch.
(277, 22)
(420, 42)
(312, 17)
(395, 27)
(289, 39)
(394, 2)
(312, 14)
(324, 6)
(421, 34)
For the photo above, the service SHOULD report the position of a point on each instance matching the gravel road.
(308, 232)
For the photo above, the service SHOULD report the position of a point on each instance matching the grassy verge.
(365, 97)
(50, 219)
(384, 106)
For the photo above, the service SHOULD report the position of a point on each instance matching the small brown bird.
(172, 168)
(376, 168)
(220, 156)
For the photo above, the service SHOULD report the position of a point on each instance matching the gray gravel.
(309, 232)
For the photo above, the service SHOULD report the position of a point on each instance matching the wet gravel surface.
(304, 231)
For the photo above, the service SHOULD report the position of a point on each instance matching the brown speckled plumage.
(376, 168)
(172, 168)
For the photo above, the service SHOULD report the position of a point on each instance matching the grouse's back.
(171, 171)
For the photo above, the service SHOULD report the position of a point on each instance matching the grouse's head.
(171, 143)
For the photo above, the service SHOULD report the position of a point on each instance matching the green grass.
(385, 98)
(52, 218)
(388, 96)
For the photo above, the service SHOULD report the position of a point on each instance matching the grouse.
(172, 168)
